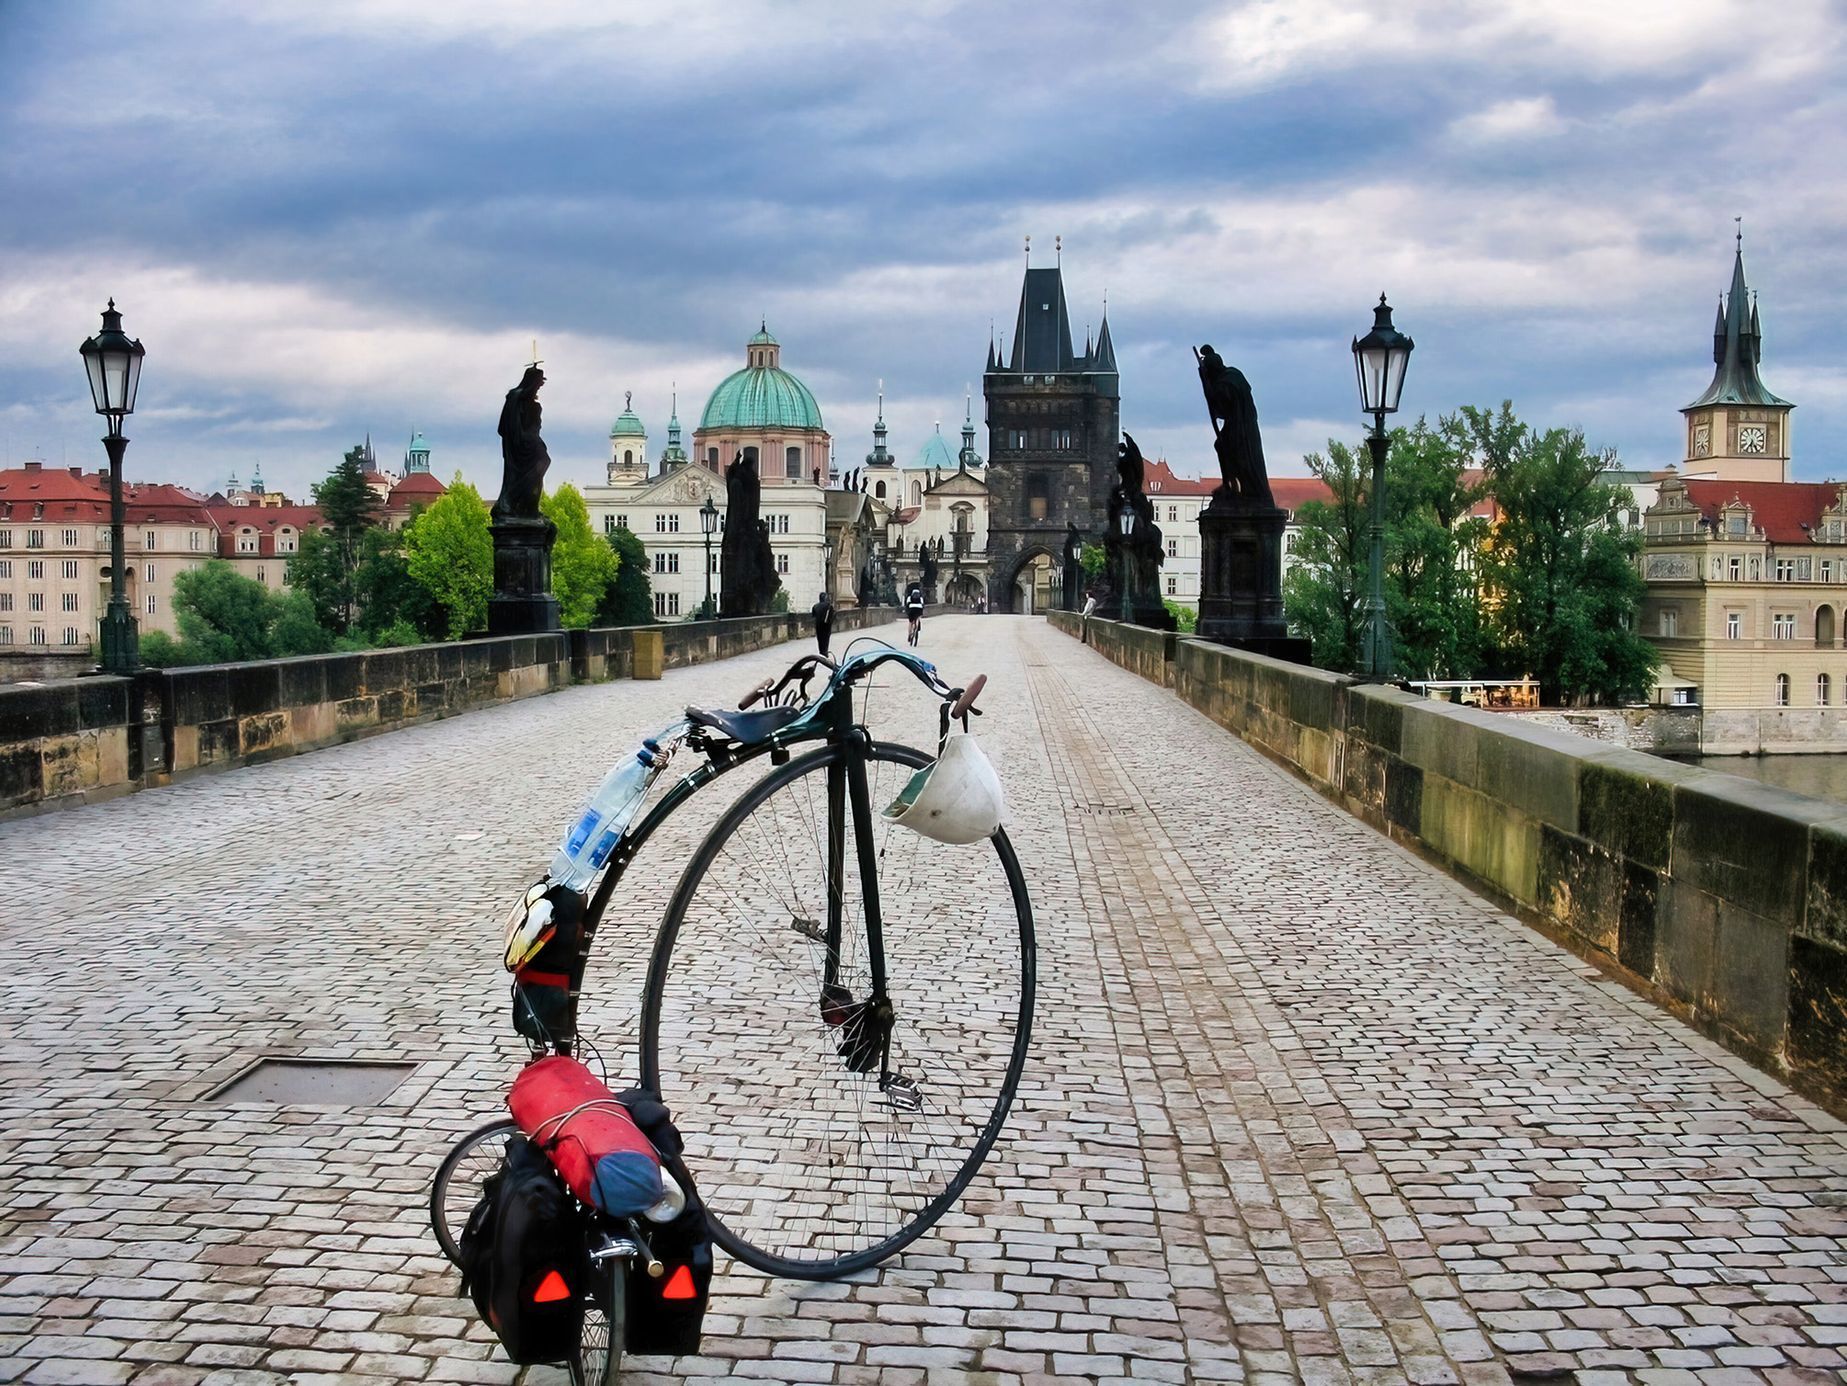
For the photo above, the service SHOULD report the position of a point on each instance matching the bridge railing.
(1722, 897)
(76, 740)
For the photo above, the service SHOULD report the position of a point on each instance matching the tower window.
(792, 463)
(1038, 498)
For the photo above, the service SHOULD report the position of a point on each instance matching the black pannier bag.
(525, 1260)
(667, 1315)
(542, 1010)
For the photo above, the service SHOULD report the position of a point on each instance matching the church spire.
(967, 458)
(879, 456)
(1737, 346)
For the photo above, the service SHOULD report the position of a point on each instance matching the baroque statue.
(523, 455)
(1236, 439)
(748, 577)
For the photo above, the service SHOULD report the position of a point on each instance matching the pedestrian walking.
(823, 623)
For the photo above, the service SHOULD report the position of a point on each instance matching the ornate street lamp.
(708, 521)
(1379, 359)
(1125, 559)
(114, 366)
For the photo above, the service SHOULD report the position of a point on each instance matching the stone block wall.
(78, 740)
(1724, 898)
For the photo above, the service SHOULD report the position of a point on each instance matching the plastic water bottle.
(593, 836)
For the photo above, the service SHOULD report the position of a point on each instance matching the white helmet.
(530, 926)
(957, 799)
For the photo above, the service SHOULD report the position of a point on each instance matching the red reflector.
(551, 1288)
(680, 1285)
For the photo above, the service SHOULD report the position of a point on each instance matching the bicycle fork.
(864, 1026)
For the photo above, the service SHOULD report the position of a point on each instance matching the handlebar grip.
(969, 694)
(760, 691)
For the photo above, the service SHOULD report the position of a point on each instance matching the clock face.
(1751, 438)
(1702, 440)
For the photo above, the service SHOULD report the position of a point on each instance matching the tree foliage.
(1561, 575)
(1432, 542)
(583, 565)
(1325, 593)
(224, 617)
(348, 507)
(389, 597)
(450, 553)
(628, 600)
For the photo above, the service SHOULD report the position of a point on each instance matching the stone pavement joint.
(1299, 1107)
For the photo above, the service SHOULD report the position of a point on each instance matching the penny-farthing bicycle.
(837, 1007)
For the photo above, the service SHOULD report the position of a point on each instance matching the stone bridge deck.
(1300, 1108)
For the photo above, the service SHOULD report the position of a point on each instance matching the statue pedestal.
(522, 603)
(1241, 578)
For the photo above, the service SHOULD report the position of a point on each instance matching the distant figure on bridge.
(823, 623)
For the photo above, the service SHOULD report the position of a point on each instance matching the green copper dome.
(761, 397)
(627, 424)
(935, 454)
(763, 337)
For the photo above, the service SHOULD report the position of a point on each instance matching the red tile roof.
(1778, 508)
(418, 484)
(1293, 492)
(69, 494)
(1158, 479)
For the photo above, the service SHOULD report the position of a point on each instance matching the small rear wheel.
(600, 1341)
(457, 1186)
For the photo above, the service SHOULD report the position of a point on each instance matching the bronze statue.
(926, 569)
(1234, 422)
(741, 573)
(1135, 560)
(523, 456)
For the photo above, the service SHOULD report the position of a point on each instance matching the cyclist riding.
(913, 610)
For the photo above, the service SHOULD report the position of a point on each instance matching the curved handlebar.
(757, 693)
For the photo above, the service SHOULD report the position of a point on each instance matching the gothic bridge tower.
(1053, 421)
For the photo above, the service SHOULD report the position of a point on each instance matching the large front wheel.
(827, 1138)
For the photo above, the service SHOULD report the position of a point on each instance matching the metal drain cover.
(315, 1083)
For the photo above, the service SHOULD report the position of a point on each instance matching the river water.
(1820, 777)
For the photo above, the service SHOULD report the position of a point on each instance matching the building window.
(1734, 526)
(150, 603)
(673, 523)
(147, 539)
(6, 538)
(1038, 498)
(879, 490)
(622, 522)
(1733, 625)
(1173, 586)
(1827, 570)
(150, 572)
(782, 563)
(1669, 619)
(6, 567)
(666, 603)
(779, 524)
(660, 524)
(665, 562)
(36, 636)
(247, 541)
(792, 463)
(259, 572)
(6, 601)
(711, 457)
(195, 536)
(609, 524)
(1785, 570)
(628, 457)
(1173, 548)
(70, 538)
(70, 635)
(35, 539)
(35, 571)
(1734, 568)
(6, 635)
(70, 569)
(1783, 625)
(1782, 690)
(1173, 513)
(35, 601)
(1821, 690)
(68, 601)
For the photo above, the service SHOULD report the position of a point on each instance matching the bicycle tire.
(602, 1338)
(444, 1219)
(752, 1178)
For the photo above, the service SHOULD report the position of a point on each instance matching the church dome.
(762, 395)
(628, 423)
(935, 454)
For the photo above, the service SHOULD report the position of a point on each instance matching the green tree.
(583, 565)
(628, 600)
(222, 616)
(1185, 618)
(449, 552)
(161, 651)
(348, 507)
(1324, 596)
(1564, 582)
(1432, 541)
(388, 595)
(316, 569)
(294, 629)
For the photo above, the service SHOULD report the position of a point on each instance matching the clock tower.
(1738, 430)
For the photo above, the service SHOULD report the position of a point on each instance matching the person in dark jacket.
(823, 623)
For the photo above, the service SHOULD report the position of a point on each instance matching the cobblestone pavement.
(1299, 1108)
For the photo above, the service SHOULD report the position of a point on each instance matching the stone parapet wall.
(1139, 649)
(1775, 730)
(79, 740)
(1724, 898)
(1661, 730)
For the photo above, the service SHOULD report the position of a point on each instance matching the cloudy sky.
(355, 215)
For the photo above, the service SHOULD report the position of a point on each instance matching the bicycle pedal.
(811, 929)
(903, 1094)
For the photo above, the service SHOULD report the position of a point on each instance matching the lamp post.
(708, 521)
(959, 541)
(1125, 517)
(114, 366)
(1379, 359)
